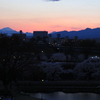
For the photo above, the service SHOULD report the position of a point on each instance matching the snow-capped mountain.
(10, 31)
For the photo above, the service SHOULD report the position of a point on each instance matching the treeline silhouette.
(19, 59)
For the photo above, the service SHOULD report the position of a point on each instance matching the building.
(21, 35)
(41, 34)
(75, 38)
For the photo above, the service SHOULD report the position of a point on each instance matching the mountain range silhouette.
(87, 33)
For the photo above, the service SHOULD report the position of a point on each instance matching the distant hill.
(82, 34)
(10, 31)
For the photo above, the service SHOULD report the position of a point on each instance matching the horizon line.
(52, 31)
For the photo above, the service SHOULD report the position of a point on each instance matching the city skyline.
(49, 15)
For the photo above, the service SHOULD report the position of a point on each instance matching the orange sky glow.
(40, 15)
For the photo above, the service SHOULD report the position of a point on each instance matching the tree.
(43, 57)
(58, 57)
(15, 40)
(35, 73)
(67, 75)
(12, 66)
(88, 69)
(52, 70)
(14, 60)
(81, 57)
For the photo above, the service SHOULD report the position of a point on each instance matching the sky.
(49, 15)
